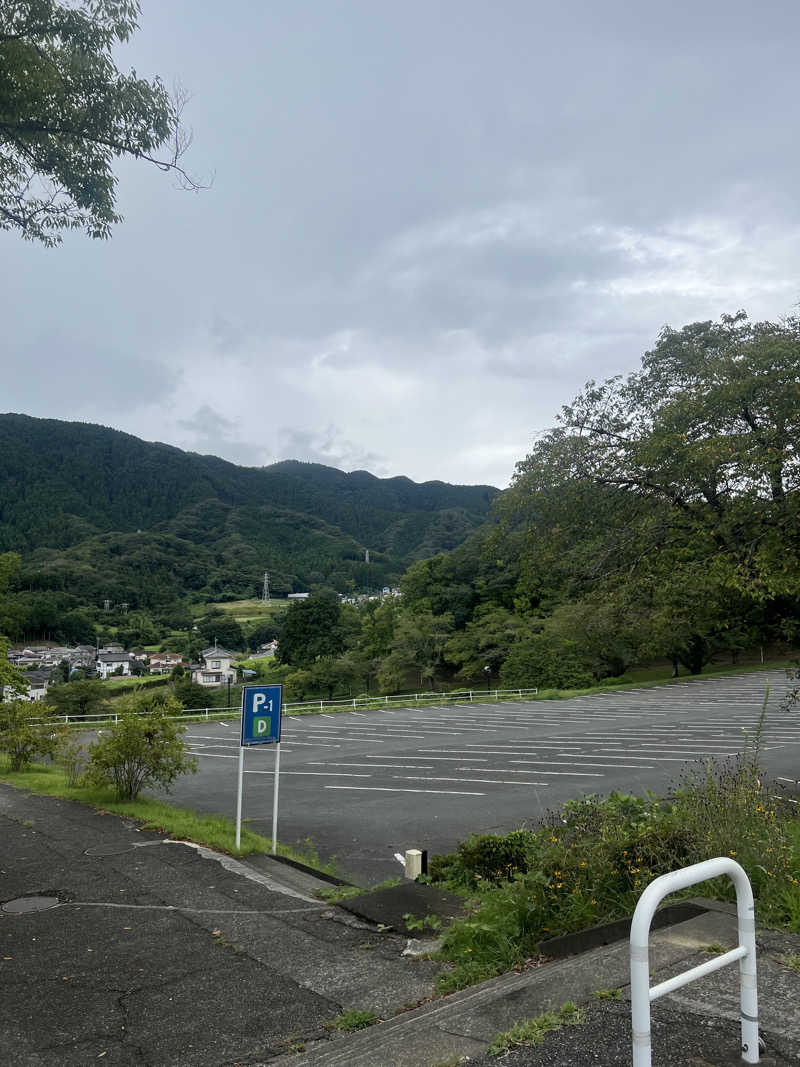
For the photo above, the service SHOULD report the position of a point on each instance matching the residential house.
(38, 684)
(216, 668)
(109, 663)
(165, 662)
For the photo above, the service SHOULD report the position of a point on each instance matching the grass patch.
(338, 893)
(792, 961)
(213, 831)
(714, 949)
(607, 994)
(349, 1021)
(533, 1031)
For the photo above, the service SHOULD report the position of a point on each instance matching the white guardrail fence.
(641, 991)
(406, 700)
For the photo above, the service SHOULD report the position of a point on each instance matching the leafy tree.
(192, 695)
(312, 628)
(28, 730)
(378, 620)
(297, 685)
(144, 747)
(262, 632)
(675, 479)
(484, 642)
(9, 569)
(418, 645)
(331, 674)
(78, 699)
(12, 681)
(66, 112)
(222, 629)
(609, 631)
(545, 662)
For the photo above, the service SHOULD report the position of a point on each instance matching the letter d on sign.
(262, 724)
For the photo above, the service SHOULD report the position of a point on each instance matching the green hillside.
(96, 513)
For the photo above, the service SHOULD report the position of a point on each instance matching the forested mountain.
(98, 513)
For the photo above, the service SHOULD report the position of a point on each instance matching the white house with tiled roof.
(217, 667)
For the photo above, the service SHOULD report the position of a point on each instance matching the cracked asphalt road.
(158, 955)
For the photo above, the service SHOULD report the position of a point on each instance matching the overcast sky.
(430, 224)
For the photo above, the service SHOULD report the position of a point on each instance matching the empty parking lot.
(364, 785)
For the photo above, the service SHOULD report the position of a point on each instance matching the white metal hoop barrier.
(745, 953)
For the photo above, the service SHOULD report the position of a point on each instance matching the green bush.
(25, 739)
(491, 857)
(144, 747)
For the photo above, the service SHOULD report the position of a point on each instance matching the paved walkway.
(161, 954)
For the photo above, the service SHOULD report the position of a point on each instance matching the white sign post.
(261, 725)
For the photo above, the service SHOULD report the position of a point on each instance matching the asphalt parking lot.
(365, 785)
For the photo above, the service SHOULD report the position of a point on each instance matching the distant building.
(165, 662)
(39, 683)
(216, 668)
(114, 663)
(299, 596)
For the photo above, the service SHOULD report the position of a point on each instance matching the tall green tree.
(417, 648)
(67, 111)
(484, 642)
(78, 699)
(312, 628)
(680, 476)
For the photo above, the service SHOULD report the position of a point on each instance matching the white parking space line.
(399, 789)
(673, 750)
(445, 759)
(311, 744)
(394, 766)
(197, 748)
(316, 774)
(569, 763)
(466, 781)
(354, 740)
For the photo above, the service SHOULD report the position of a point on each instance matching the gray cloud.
(430, 225)
(327, 446)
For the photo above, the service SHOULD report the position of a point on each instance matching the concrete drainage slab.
(24, 905)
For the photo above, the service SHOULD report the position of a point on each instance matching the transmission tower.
(266, 588)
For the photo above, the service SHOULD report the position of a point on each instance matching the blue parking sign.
(261, 714)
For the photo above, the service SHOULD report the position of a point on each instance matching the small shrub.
(25, 739)
(71, 758)
(145, 746)
(491, 857)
